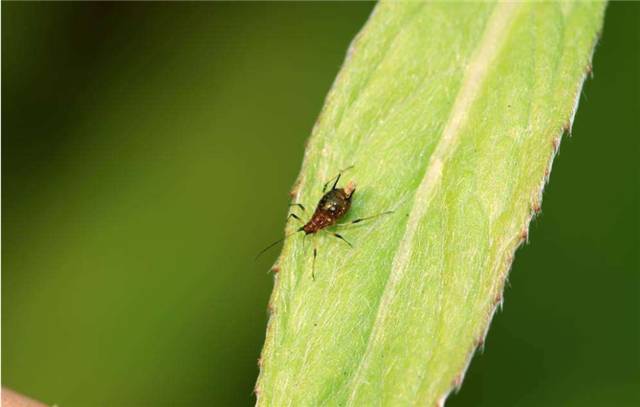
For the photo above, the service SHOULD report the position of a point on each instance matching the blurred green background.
(147, 152)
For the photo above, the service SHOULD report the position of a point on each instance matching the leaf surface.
(451, 114)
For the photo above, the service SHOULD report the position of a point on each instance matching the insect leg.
(339, 236)
(365, 218)
(313, 265)
(294, 216)
(298, 205)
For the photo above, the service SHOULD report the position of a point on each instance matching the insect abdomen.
(320, 220)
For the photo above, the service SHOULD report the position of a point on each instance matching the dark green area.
(147, 152)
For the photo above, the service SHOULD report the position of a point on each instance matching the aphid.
(333, 206)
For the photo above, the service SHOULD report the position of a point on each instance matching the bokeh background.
(147, 152)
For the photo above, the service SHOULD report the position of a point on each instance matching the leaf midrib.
(476, 72)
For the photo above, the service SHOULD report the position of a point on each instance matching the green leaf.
(451, 114)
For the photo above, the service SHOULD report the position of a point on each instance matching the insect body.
(333, 205)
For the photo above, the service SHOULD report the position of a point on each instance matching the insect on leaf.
(451, 114)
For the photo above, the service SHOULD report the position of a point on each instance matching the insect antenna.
(278, 241)
(335, 179)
